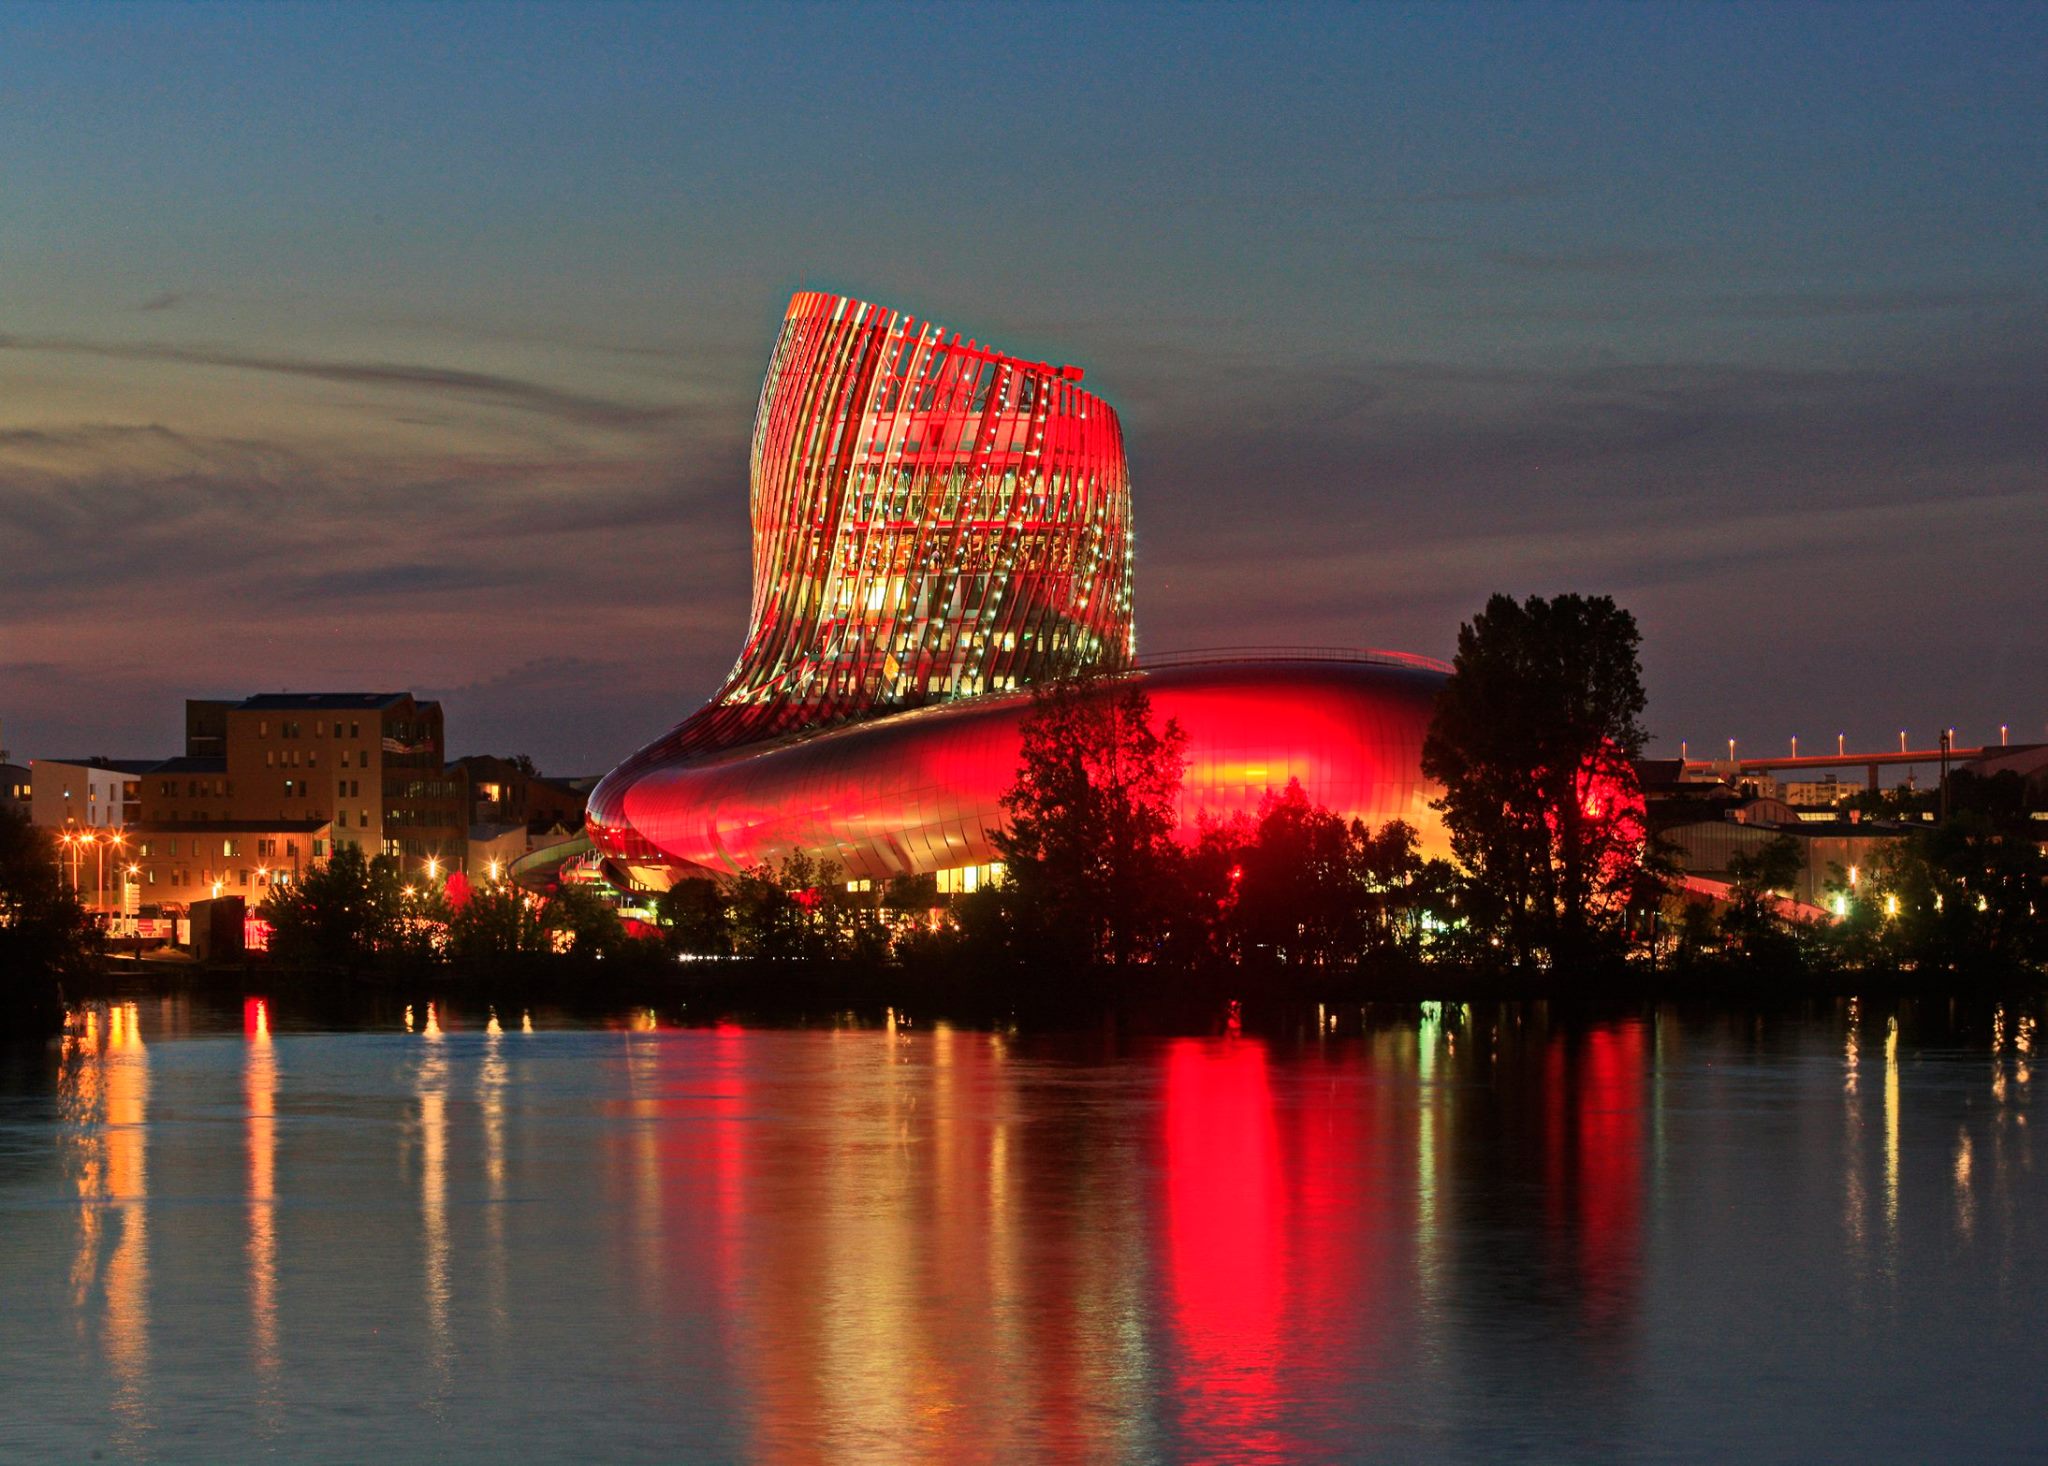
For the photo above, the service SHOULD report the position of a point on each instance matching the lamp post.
(1948, 738)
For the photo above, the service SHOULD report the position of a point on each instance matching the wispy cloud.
(485, 387)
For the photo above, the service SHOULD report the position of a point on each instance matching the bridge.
(1796, 762)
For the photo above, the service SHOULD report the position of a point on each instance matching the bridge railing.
(1210, 656)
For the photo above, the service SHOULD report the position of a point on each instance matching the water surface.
(1434, 1234)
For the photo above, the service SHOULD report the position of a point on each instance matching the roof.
(1804, 830)
(310, 700)
(188, 764)
(229, 827)
(111, 765)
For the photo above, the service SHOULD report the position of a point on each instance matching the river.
(1411, 1234)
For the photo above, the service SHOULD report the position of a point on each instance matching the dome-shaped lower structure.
(937, 528)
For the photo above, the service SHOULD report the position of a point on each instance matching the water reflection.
(259, 1091)
(104, 1105)
(436, 1286)
(1414, 1233)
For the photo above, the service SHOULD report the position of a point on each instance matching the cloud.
(490, 388)
(168, 300)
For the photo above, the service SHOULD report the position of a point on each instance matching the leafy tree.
(496, 922)
(1299, 896)
(696, 918)
(766, 920)
(590, 923)
(911, 893)
(1089, 846)
(1967, 895)
(46, 936)
(1752, 925)
(1394, 895)
(347, 910)
(1534, 741)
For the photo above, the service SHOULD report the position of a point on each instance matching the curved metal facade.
(921, 791)
(937, 527)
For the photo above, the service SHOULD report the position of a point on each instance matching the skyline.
(421, 351)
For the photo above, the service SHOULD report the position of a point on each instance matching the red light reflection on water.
(1593, 1154)
(1226, 1205)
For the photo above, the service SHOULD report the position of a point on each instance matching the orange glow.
(259, 1085)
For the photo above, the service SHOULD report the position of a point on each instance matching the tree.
(1966, 896)
(1753, 925)
(46, 936)
(347, 909)
(1089, 846)
(590, 923)
(1299, 895)
(696, 918)
(495, 923)
(766, 920)
(1534, 741)
(1394, 896)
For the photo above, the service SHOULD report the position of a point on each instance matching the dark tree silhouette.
(46, 936)
(1089, 846)
(1534, 741)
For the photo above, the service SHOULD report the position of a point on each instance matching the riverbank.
(1151, 1000)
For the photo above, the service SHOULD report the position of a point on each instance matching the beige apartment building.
(174, 865)
(368, 764)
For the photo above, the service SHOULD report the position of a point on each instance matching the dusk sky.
(380, 348)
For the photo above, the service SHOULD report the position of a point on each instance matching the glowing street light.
(433, 867)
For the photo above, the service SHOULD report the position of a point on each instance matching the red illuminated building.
(937, 527)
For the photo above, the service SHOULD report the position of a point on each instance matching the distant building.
(505, 791)
(494, 848)
(367, 763)
(1704, 848)
(2028, 762)
(177, 863)
(1825, 792)
(186, 790)
(206, 727)
(17, 790)
(87, 793)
